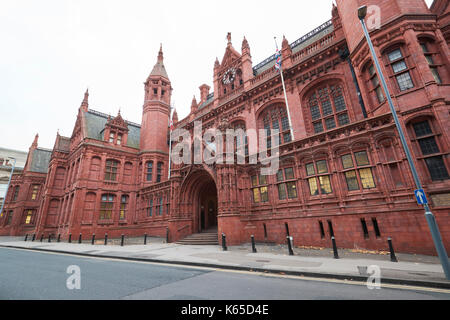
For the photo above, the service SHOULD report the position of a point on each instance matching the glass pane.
(326, 108)
(371, 70)
(262, 179)
(399, 66)
(292, 190)
(264, 194)
(394, 55)
(422, 128)
(352, 180)
(280, 175)
(315, 113)
(347, 161)
(289, 173)
(361, 158)
(424, 47)
(429, 59)
(285, 123)
(404, 81)
(287, 137)
(318, 127)
(325, 184)
(256, 197)
(322, 166)
(282, 191)
(366, 178)
(339, 103)
(254, 181)
(436, 76)
(375, 81)
(310, 169)
(330, 123)
(380, 95)
(437, 168)
(428, 146)
(313, 186)
(343, 119)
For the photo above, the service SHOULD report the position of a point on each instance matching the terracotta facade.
(343, 173)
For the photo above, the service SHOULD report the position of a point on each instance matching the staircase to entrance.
(207, 237)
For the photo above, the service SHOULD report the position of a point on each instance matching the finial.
(229, 38)
(160, 53)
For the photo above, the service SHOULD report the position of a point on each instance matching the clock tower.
(235, 69)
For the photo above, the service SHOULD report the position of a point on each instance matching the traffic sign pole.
(435, 234)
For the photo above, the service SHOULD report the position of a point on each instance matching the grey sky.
(53, 50)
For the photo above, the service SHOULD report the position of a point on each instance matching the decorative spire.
(216, 63)
(159, 69)
(229, 38)
(85, 103)
(175, 116)
(35, 142)
(194, 105)
(160, 54)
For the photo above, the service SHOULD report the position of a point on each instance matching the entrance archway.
(198, 197)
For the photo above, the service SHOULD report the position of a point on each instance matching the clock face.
(229, 75)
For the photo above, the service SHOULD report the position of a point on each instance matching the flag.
(278, 60)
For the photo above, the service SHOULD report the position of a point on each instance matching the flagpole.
(285, 96)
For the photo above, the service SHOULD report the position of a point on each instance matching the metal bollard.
(335, 251)
(50, 237)
(34, 237)
(59, 237)
(70, 238)
(93, 238)
(289, 239)
(42, 237)
(79, 238)
(145, 238)
(106, 239)
(224, 242)
(391, 249)
(26, 237)
(121, 241)
(167, 235)
(253, 244)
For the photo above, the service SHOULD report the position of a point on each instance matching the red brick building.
(343, 173)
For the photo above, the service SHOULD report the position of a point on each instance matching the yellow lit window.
(325, 184)
(366, 178)
(28, 217)
(313, 186)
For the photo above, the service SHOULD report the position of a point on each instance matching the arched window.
(111, 170)
(431, 53)
(275, 118)
(375, 85)
(149, 173)
(106, 206)
(400, 69)
(328, 108)
(240, 140)
(426, 140)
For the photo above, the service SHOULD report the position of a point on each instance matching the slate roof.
(41, 159)
(95, 124)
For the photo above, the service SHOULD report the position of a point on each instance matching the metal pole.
(253, 244)
(7, 187)
(439, 245)
(289, 239)
(391, 250)
(335, 251)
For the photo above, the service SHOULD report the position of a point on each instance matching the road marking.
(258, 273)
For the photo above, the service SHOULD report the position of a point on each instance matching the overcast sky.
(52, 51)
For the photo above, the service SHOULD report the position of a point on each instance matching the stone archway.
(199, 201)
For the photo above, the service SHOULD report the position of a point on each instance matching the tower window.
(400, 69)
(431, 63)
(149, 171)
(159, 172)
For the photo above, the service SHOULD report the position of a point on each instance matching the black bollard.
(49, 238)
(79, 238)
(145, 238)
(42, 237)
(34, 237)
(224, 242)
(59, 237)
(121, 241)
(391, 249)
(70, 238)
(289, 239)
(253, 244)
(106, 239)
(335, 251)
(93, 238)
(167, 235)
(26, 237)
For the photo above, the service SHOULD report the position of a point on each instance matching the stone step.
(205, 238)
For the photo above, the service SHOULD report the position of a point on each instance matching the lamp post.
(7, 187)
(362, 11)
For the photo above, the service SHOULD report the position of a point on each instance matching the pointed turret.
(159, 69)
(85, 103)
(194, 105)
(175, 117)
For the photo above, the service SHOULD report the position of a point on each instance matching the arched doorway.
(198, 201)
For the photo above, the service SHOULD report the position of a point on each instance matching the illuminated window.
(106, 206)
(286, 184)
(123, 207)
(359, 174)
(259, 189)
(28, 216)
(34, 191)
(318, 178)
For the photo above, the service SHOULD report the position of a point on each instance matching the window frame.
(106, 206)
(406, 71)
(316, 177)
(258, 187)
(285, 182)
(111, 171)
(357, 168)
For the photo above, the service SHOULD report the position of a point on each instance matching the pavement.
(352, 265)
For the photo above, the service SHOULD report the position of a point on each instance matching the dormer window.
(162, 92)
(111, 137)
(119, 139)
(155, 91)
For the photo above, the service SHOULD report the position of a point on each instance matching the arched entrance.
(198, 200)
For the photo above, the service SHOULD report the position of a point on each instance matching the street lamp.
(362, 11)
(7, 187)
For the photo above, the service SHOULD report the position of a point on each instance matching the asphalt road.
(34, 275)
